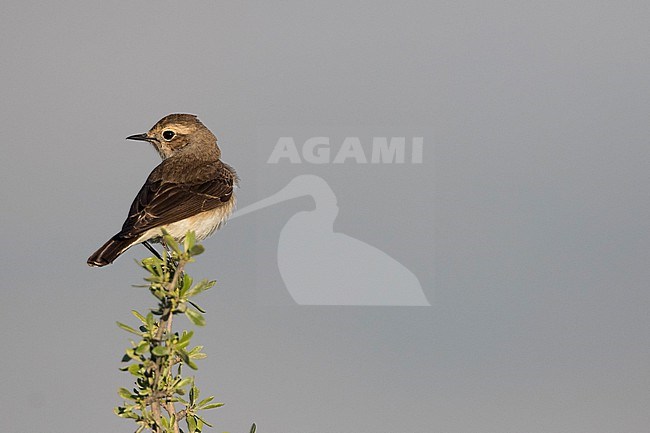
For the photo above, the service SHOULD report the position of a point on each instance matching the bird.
(191, 189)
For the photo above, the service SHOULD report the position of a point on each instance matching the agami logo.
(320, 150)
(318, 265)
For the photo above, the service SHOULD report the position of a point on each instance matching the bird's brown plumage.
(163, 200)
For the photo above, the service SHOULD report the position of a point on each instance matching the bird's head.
(176, 131)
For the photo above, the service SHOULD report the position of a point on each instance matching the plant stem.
(159, 383)
(165, 325)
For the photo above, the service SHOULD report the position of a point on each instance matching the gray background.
(527, 224)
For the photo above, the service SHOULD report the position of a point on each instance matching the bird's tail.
(110, 251)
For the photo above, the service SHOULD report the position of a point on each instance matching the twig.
(165, 324)
(152, 404)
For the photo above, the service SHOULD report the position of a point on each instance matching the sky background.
(527, 224)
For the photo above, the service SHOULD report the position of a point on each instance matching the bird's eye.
(168, 135)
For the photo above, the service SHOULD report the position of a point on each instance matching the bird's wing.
(163, 201)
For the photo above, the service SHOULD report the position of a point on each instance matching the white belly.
(203, 224)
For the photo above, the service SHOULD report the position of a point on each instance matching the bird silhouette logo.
(322, 267)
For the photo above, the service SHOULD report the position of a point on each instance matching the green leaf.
(194, 394)
(184, 356)
(134, 369)
(160, 351)
(196, 250)
(183, 383)
(171, 243)
(125, 394)
(185, 338)
(253, 428)
(186, 284)
(212, 406)
(153, 265)
(201, 420)
(195, 317)
(127, 328)
(130, 354)
(142, 348)
(196, 349)
(124, 412)
(139, 316)
(169, 240)
(191, 423)
(181, 344)
(199, 287)
(195, 353)
(189, 241)
(205, 401)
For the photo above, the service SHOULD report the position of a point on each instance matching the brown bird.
(191, 189)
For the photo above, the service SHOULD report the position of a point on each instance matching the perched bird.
(191, 189)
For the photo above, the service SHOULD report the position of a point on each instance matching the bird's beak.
(140, 137)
